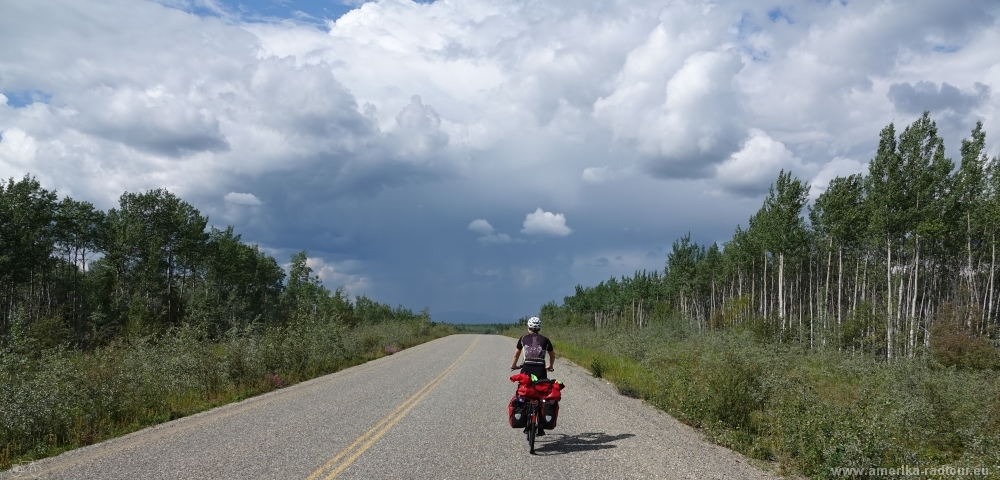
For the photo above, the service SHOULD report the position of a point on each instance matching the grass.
(58, 399)
(808, 413)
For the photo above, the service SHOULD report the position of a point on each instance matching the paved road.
(436, 411)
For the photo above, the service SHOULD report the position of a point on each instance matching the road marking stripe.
(372, 435)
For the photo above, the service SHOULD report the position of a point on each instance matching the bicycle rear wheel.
(532, 428)
(532, 431)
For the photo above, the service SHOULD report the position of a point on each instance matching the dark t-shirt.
(534, 346)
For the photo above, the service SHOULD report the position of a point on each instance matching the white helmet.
(534, 323)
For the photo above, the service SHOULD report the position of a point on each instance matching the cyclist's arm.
(552, 359)
(517, 355)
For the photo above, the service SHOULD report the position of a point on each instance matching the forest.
(75, 275)
(893, 262)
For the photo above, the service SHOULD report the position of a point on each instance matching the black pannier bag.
(550, 413)
(517, 412)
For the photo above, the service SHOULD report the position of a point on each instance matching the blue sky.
(309, 12)
(477, 156)
(316, 11)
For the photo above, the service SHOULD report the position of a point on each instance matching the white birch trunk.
(993, 264)
(840, 282)
(826, 290)
(913, 300)
(781, 289)
(888, 298)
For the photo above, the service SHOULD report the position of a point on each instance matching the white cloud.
(337, 274)
(838, 167)
(676, 98)
(752, 169)
(153, 120)
(400, 92)
(480, 225)
(483, 227)
(243, 199)
(17, 147)
(418, 130)
(545, 223)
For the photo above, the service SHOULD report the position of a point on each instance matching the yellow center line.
(372, 435)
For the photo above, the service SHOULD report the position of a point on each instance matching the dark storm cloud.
(915, 98)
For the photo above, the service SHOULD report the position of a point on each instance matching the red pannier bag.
(545, 390)
(549, 391)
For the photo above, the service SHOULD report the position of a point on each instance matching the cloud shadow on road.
(560, 444)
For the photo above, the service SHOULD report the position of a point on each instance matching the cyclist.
(534, 346)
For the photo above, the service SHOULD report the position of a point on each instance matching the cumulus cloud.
(154, 120)
(186, 111)
(17, 148)
(486, 230)
(243, 199)
(683, 113)
(755, 166)
(838, 167)
(307, 104)
(545, 223)
(480, 225)
(339, 274)
(418, 130)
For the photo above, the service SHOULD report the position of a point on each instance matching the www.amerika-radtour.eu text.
(906, 471)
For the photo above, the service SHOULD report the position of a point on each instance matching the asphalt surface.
(437, 411)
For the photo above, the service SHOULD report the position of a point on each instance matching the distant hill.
(457, 317)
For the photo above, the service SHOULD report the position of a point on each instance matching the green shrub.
(55, 399)
(809, 412)
(954, 345)
(597, 368)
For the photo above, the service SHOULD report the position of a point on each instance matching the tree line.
(73, 274)
(891, 262)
